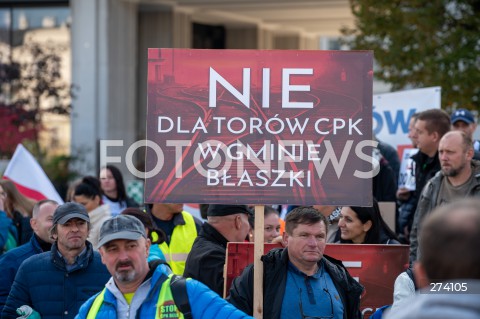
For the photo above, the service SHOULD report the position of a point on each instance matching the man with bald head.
(459, 177)
(205, 262)
(40, 242)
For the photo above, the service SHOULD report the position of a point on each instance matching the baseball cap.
(462, 115)
(121, 227)
(70, 210)
(225, 210)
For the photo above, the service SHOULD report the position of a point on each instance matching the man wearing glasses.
(299, 281)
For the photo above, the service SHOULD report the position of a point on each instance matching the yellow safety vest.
(181, 243)
(166, 307)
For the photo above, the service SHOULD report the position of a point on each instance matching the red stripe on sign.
(28, 192)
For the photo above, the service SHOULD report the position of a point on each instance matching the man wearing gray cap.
(205, 262)
(56, 283)
(138, 289)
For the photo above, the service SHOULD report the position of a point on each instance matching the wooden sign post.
(257, 263)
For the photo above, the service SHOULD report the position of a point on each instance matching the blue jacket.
(44, 283)
(204, 303)
(9, 264)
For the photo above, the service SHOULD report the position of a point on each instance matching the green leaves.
(422, 43)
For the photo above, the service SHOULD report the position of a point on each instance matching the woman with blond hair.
(18, 208)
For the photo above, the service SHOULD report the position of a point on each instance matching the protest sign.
(406, 178)
(259, 127)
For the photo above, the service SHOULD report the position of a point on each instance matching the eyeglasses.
(316, 317)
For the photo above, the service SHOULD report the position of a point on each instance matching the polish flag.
(25, 172)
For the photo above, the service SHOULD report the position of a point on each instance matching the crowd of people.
(102, 255)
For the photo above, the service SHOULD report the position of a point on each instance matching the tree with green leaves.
(420, 43)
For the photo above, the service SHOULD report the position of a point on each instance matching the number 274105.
(448, 287)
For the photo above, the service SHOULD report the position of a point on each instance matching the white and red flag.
(25, 172)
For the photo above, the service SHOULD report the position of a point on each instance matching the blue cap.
(462, 115)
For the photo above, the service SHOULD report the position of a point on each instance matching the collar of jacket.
(158, 273)
(335, 268)
(178, 219)
(211, 233)
(423, 159)
(82, 262)
(476, 168)
(35, 244)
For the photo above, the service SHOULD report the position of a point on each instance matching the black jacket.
(206, 259)
(275, 279)
(425, 168)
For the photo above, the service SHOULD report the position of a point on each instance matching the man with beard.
(459, 177)
(56, 283)
(429, 128)
(138, 289)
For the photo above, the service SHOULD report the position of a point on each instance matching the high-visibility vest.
(166, 307)
(181, 243)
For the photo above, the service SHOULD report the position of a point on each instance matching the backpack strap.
(178, 286)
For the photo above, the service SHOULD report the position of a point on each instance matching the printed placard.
(406, 178)
(259, 127)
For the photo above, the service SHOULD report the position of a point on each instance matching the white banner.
(392, 111)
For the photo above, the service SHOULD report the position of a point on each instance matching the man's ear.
(102, 252)
(421, 278)
(470, 153)
(436, 137)
(33, 223)
(285, 239)
(148, 243)
(237, 221)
